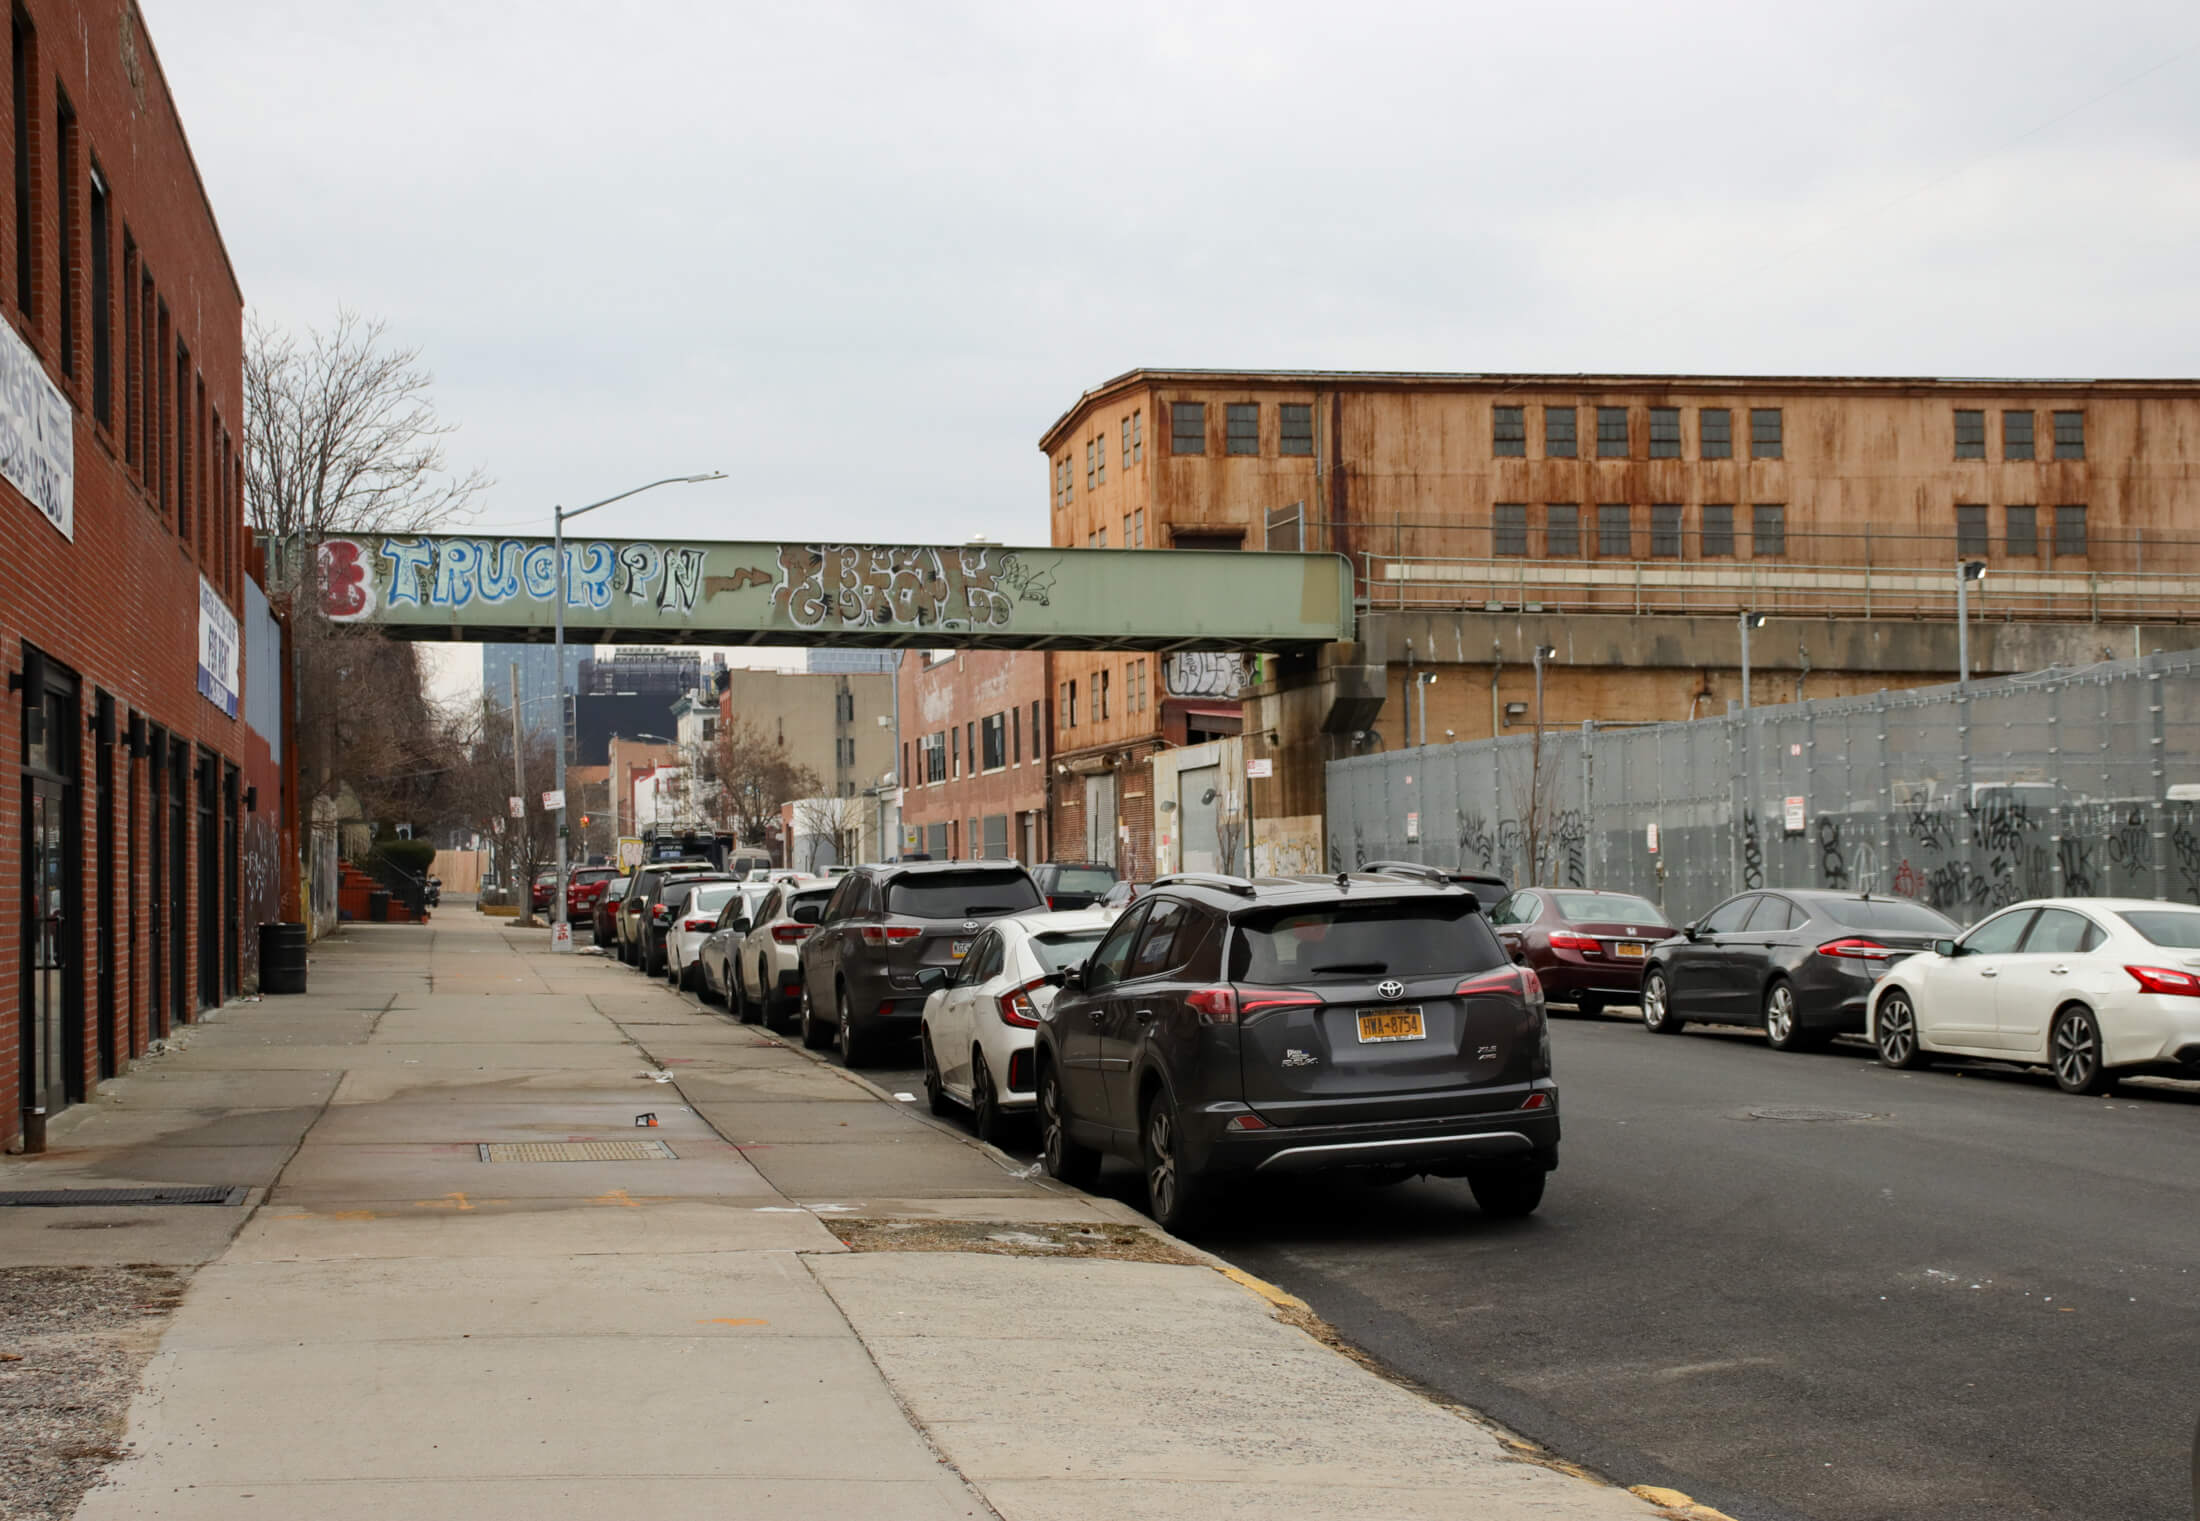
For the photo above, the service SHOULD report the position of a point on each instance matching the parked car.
(641, 894)
(1588, 947)
(745, 862)
(1073, 884)
(760, 966)
(605, 910)
(545, 888)
(883, 922)
(583, 886)
(975, 1032)
(1488, 887)
(2088, 987)
(1799, 964)
(692, 911)
(1371, 1025)
(1124, 894)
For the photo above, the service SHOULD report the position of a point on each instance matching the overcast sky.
(860, 256)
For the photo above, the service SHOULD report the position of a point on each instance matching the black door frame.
(208, 778)
(179, 882)
(232, 797)
(52, 693)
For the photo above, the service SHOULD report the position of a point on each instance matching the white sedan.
(696, 913)
(2088, 987)
(977, 1029)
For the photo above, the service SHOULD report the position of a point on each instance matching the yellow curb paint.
(618, 1197)
(1678, 1503)
(1263, 1288)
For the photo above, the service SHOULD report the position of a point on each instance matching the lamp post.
(1749, 621)
(559, 593)
(1967, 571)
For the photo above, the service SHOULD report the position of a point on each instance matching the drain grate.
(577, 1151)
(93, 1198)
(1804, 1112)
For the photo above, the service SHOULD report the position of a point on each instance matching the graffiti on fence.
(2077, 866)
(1753, 853)
(1477, 845)
(1833, 862)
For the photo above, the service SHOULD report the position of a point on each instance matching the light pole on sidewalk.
(559, 593)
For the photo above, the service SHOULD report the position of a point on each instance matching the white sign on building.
(218, 640)
(38, 440)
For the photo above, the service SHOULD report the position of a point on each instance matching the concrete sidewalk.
(788, 1298)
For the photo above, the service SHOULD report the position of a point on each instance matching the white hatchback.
(2088, 987)
(763, 966)
(695, 915)
(977, 1029)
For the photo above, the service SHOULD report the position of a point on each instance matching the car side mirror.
(932, 978)
(1073, 977)
(739, 926)
(1688, 931)
(809, 913)
(1944, 947)
(1054, 979)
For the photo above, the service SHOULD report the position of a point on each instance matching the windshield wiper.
(1353, 966)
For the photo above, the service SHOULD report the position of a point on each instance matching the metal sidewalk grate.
(577, 1151)
(92, 1198)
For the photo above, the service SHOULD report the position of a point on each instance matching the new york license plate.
(1629, 948)
(1391, 1024)
(961, 948)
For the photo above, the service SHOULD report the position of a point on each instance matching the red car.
(605, 911)
(546, 883)
(583, 886)
(1587, 947)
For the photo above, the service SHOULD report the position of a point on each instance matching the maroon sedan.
(1587, 947)
(605, 911)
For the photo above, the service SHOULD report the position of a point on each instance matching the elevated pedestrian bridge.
(971, 596)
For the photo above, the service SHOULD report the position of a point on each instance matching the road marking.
(1678, 1503)
(1263, 1288)
(457, 1201)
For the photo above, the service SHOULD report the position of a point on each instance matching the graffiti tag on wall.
(1204, 673)
(456, 573)
(914, 586)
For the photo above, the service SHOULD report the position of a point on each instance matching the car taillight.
(789, 934)
(881, 934)
(2162, 979)
(1567, 940)
(693, 925)
(659, 912)
(1017, 1008)
(1503, 980)
(1857, 948)
(1218, 1005)
(1051, 903)
(1538, 1100)
(1227, 1005)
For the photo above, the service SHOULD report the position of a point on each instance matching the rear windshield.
(1594, 907)
(962, 894)
(1066, 949)
(617, 888)
(595, 875)
(1084, 879)
(705, 899)
(1360, 940)
(818, 897)
(2165, 927)
(1888, 914)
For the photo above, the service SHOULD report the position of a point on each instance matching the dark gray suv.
(859, 969)
(1361, 1023)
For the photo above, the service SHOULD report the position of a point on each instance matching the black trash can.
(378, 905)
(282, 958)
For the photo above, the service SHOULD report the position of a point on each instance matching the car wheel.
(1589, 1005)
(935, 1091)
(1657, 1011)
(1507, 1193)
(1784, 1028)
(985, 1101)
(2074, 1050)
(1894, 1032)
(748, 1010)
(1176, 1197)
(815, 1033)
(855, 1044)
(1065, 1159)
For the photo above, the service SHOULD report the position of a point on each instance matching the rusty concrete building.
(1623, 523)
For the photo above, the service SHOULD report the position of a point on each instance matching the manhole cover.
(1803, 1112)
(577, 1151)
(93, 1198)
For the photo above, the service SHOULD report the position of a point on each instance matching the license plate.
(1391, 1024)
(961, 948)
(1627, 948)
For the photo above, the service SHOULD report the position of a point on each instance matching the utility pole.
(1967, 571)
(519, 790)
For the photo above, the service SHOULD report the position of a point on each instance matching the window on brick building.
(1509, 528)
(1069, 704)
(2016, 435)
(1615, 531)
(1665, 432)
(1015, 736)
(2069, 436)
(1088, 464)
(186, 500)
(64, 146)
(993, 735)
(1764, 433)
(1295, 425)
(1768, 531)
(1038, 730)
(1138, 435)
(2020, 530)
(26, 222)
(133, 446)
(1138, 530)
(1611, 433)
(1100, 453)
(1714, 433)
(1715, 537)
(1559, 439)
(1970, 434)
(1562, 530)
(160, 448)
(955, 753)
(102, 296)
(970, 745)
(1126, 440)
(1188, 428)
(1241, 428)
(2069, 531)
(1509, 431)
(1971, 533)
(1099, 695)
(1665, 531)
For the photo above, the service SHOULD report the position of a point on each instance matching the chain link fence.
(2064, 783)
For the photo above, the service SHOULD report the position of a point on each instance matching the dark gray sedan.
(1799, 965)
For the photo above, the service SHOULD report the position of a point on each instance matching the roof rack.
(1214, 879)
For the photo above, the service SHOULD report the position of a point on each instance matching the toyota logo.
(970, 924)
(1390, 987)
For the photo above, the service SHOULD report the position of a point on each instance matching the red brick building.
(975, 760)
(123, 791)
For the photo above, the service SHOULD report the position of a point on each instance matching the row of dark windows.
(1618, 530)
(1562, 440)
(1241, 428)
(2017, 436)
(982, 744)
(1096, 459)
(2020, 530)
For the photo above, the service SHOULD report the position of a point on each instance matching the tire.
(1178, 1200)
(857, 1045)
(1657, 1010)
(985, 1101)
(1894, 1034)
(2074, 1052)
(935, 1091)
(1507, 1193)
(1589, 1005)
(1066, 1160)
(816, 1035)
(748, 1010)
(1784, 1028)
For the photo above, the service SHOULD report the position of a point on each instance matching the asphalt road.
(1977, 1299)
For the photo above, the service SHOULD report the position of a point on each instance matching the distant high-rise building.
(538, 679)
(828, 660)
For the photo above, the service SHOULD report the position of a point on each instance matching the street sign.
(519, 808)
(1794, 815)
(1255, 770)
(1653, 838)
(553, 802)
(1413, 826)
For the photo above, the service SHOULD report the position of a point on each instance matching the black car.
(1799, 965)
(1362, 1023)
(1073, 884)
(859, 969)
(642, 892)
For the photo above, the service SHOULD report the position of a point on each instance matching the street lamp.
(1967, 571)
(557, 603)
(1422, 681)
(1749, 621)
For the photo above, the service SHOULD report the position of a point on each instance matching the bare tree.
(831, 825)
(756, 777)
(477, 793)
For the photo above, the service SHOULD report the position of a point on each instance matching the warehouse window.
(1665, 432)
(26, 244)
(2070, 435)
(1188, 428)
(1558, 433)
(2022, 533)
(1296, 421)
(993, 735)
(1138, 435)
(102, 295)
(1038, 745)
(1509, 528)
(1562, 530)
(2069, 530)
(1509, 431)
(1100, 453)
(1715, 538)
(1615, 531)
(1665, 531)
(1768, 531)
(1764, 433)
(1970, 434)
(1970, 530)
(1611, 433)
(1715, 433)
(65, 203)
(1241, 428)
(2016, 435)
